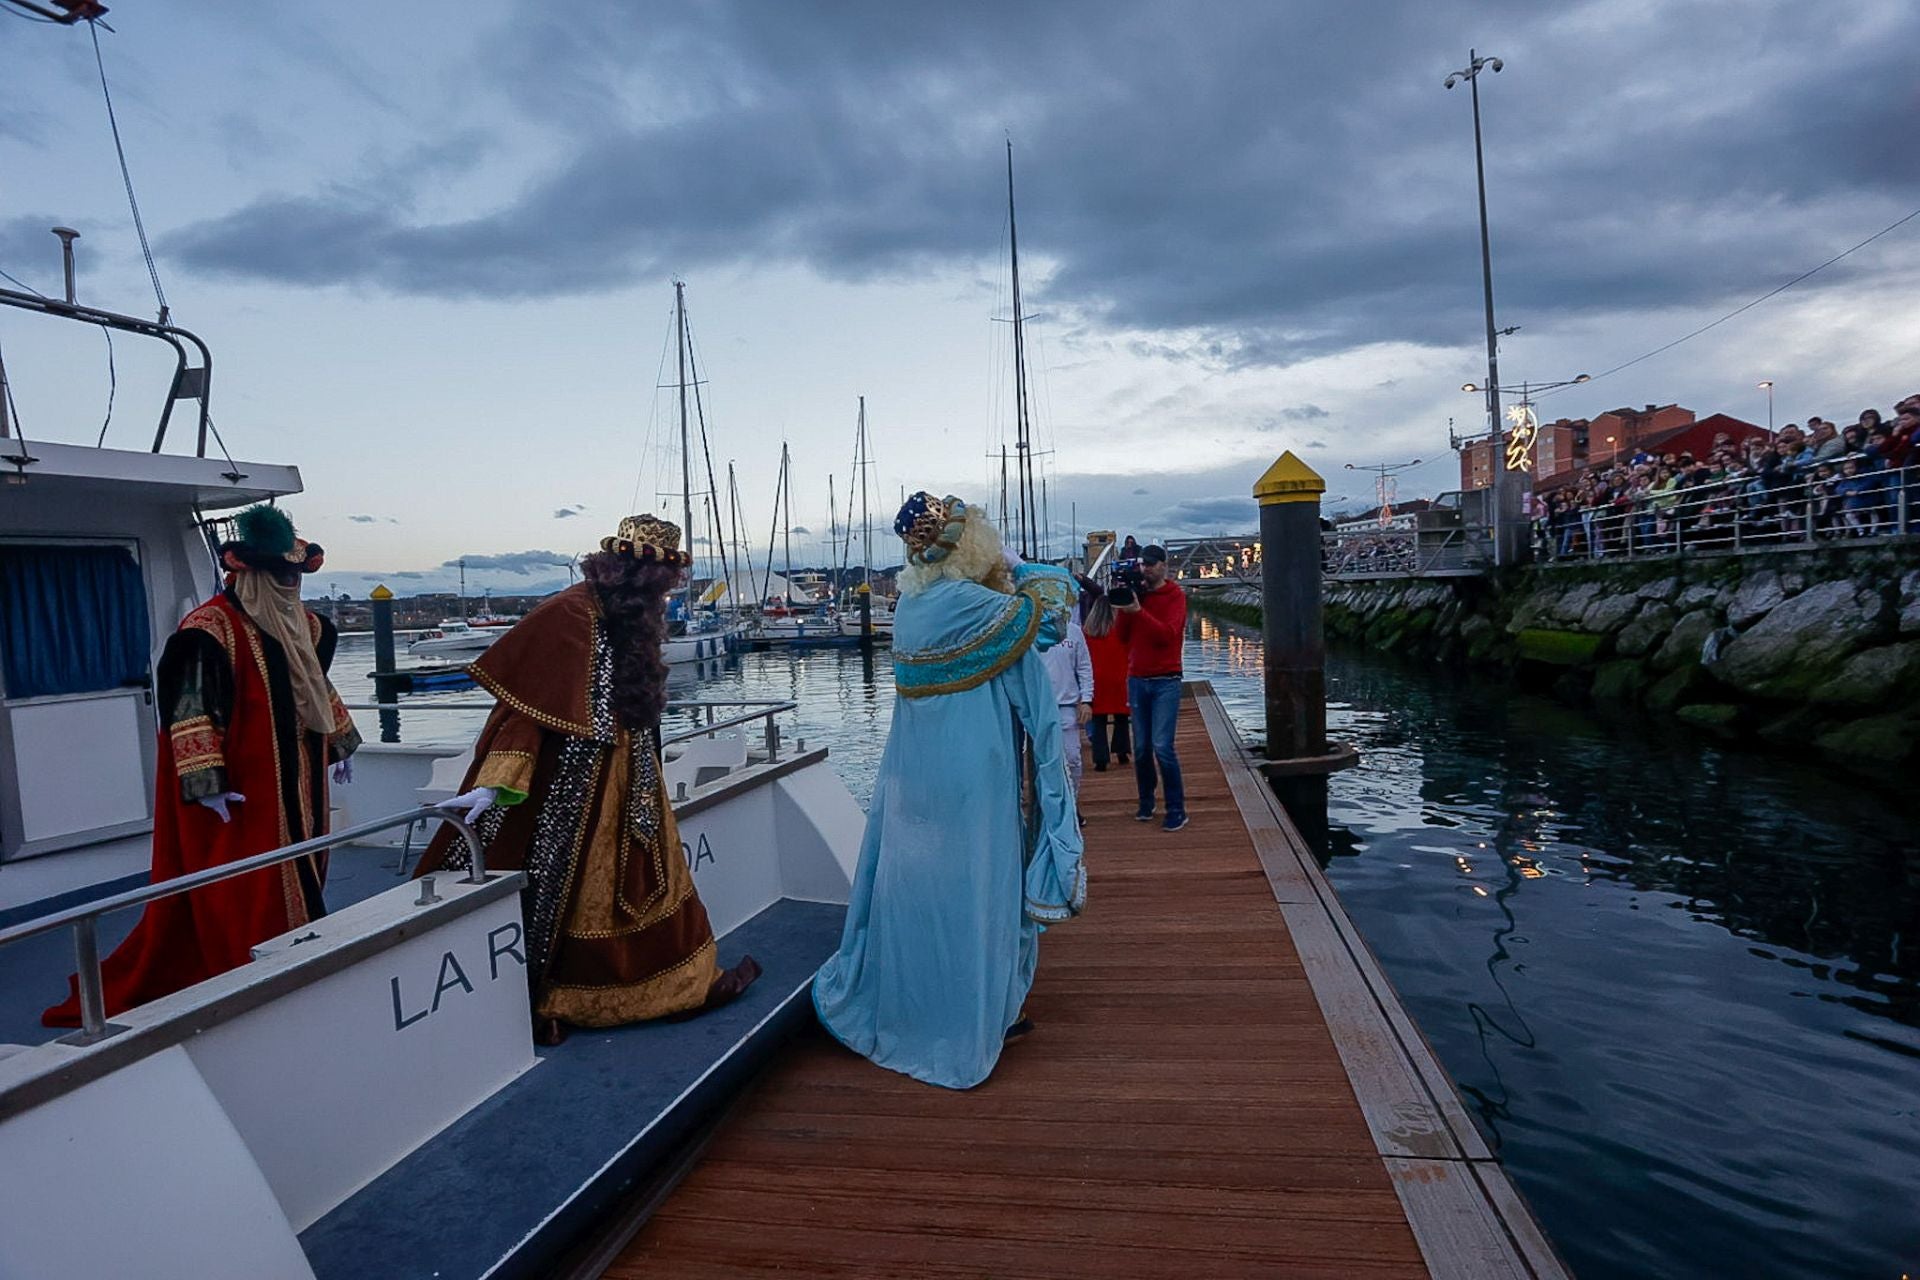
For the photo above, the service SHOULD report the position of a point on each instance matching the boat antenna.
(1024, 444)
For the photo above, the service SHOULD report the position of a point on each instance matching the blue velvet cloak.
(954, 883)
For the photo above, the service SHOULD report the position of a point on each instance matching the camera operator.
(1152, 623)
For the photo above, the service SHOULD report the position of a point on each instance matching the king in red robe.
(249, 724)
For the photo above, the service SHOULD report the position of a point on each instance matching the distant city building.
(1567, 446)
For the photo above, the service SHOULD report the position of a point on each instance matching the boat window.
(72, 620)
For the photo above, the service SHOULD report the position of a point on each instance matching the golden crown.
(930, 526)
(648, 538)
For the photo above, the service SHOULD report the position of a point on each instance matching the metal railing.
(1735, 513)
(83, 918)
(765, 709)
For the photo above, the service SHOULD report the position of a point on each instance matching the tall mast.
(1024, 480)
(833, 540)
(866, 515)
(733, 531)
(463, 589)
(1003, 486)
(686, 453)
(786, 508)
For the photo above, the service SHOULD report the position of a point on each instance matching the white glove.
(343, 772)
(475, 802)
(220, 802)
(1012, 557)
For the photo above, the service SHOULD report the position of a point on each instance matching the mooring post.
(385, 686)
(866, 617)
(1298, 756)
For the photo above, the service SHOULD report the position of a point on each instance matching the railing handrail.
(1740, 499)
(676, 704)
(83, 917)
(1726, 484)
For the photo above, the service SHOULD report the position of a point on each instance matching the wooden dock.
(1222, 1083)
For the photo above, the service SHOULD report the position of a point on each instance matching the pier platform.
(1221, 1083)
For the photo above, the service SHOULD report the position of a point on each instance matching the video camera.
(1128, 582)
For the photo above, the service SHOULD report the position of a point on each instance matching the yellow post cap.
(1289, 480)
(380, 593)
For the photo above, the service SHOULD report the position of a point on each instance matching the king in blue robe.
(958, 876)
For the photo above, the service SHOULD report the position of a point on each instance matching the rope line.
(126, 177)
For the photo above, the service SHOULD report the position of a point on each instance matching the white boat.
(703, 643)
(358, 1099)
(455, 637)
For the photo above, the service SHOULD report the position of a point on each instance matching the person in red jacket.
(1108, 732)
(1153, 626)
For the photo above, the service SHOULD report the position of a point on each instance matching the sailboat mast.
(786, 507)
(463, 589)
(833, 537)
(866, 515)
(686, 453)
(1003, 487)
(733, 531)
(1024, 480)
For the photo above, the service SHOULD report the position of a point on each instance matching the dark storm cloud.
(1270, 183)
(519, 562)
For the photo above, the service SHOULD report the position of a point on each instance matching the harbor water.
(1676, 983)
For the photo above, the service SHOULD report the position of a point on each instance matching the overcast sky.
(432, 245)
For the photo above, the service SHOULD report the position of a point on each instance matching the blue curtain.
(72, 620)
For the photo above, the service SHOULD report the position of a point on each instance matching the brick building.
(1566, 446)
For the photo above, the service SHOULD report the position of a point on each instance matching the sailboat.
(879, 608)
(790, 621)
(695, 636)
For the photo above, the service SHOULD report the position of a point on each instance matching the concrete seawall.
(1816, 648)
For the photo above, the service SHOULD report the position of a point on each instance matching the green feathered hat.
(265, 539)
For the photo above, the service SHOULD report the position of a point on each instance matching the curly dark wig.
(633, 601)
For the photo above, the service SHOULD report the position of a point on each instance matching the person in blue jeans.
(1153, 625)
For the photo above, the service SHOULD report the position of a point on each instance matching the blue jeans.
(1155, 705)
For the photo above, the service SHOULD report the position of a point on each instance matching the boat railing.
(761, 709)
(84, 918)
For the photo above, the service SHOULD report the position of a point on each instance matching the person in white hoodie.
(1070, 666)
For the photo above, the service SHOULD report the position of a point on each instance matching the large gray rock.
(1910, 603)
(1573, 605)
(1684, 641)
(1754, 598)
(1647, 629)
(1608, 613)
(1696, 596)
(1659, 589)
(1802, 641)
(1872, 675)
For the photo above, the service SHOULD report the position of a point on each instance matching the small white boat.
(453, 636)
(701, 644)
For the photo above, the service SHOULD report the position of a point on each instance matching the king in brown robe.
(567, 787)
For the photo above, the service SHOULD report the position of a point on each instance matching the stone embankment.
(1814, 649)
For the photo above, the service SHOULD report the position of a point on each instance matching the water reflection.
(1670, 978)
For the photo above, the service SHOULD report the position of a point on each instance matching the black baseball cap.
(1154, 553)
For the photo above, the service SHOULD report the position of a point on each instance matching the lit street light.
(1768, 386)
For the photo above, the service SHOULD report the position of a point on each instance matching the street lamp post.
(1768, 387)
(1502, 553)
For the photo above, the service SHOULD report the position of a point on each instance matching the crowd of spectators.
(1816, 482)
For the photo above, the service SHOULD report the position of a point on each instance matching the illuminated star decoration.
(1520, 440)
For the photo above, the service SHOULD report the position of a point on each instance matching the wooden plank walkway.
(1221, 1084)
